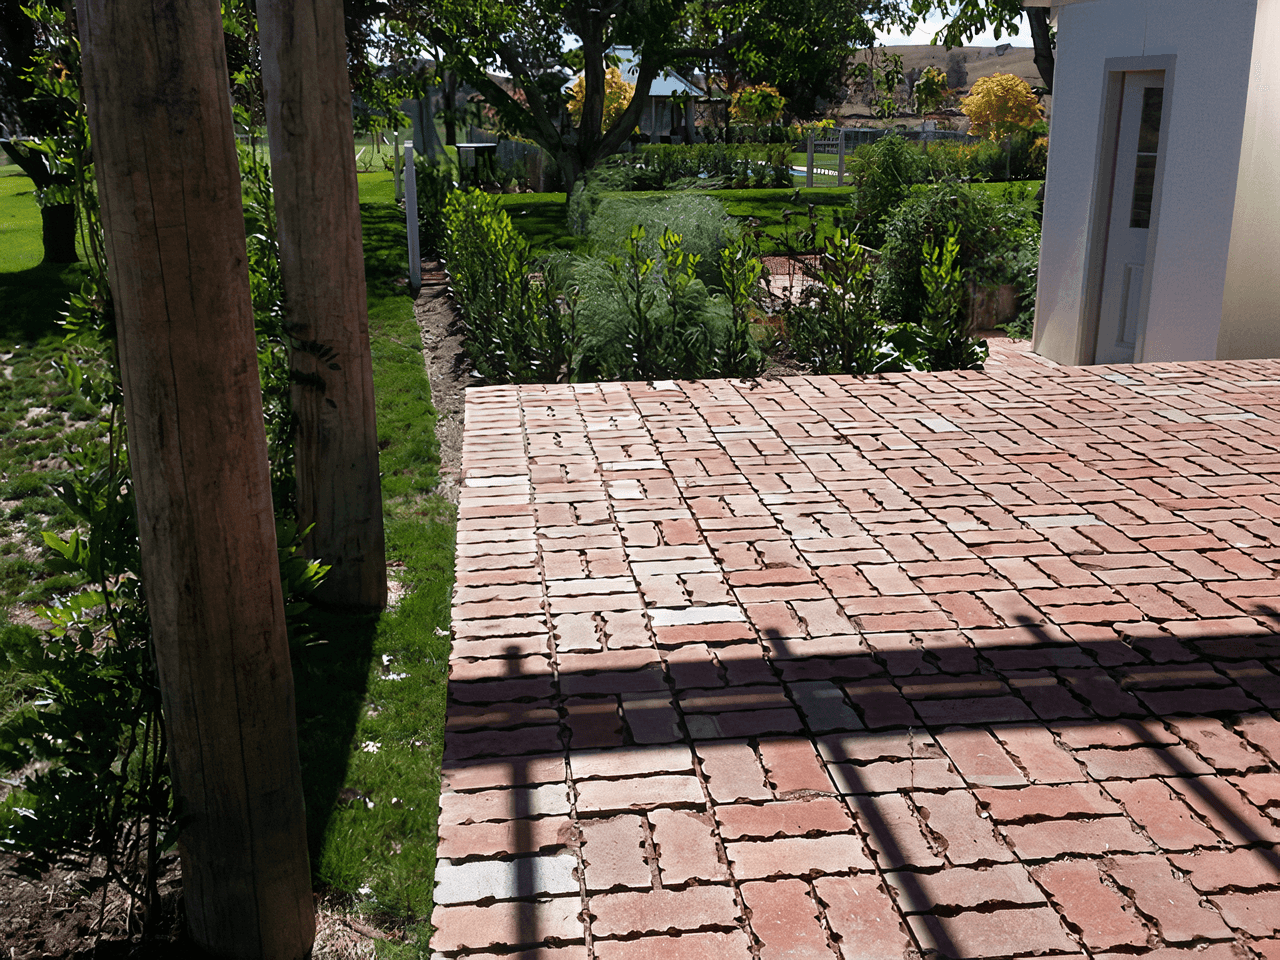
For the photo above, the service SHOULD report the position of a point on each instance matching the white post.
(840, 160)
(808, 179)
(396, 167)
(411, 220)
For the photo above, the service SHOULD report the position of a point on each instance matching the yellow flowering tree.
(1000, 105)
(617, 94)
(760, 105)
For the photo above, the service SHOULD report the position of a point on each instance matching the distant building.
(1162, 210)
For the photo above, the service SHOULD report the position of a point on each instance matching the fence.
(842, 141)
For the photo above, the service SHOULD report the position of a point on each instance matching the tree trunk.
(313, 175)
(450, 112)
(57, 220)
(156, 88)
(58, 223)
(1041, 40)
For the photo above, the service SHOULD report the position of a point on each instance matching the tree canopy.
(968, 18)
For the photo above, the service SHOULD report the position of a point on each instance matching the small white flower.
(396, 676)
(369, 746)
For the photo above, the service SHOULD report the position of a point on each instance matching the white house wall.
(1204, 115)
(1251, 301)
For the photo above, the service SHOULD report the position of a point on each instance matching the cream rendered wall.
(1251, 302)
(1204, 116)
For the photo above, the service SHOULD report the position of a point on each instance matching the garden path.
(977, 663)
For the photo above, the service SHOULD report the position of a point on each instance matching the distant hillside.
(963, 65)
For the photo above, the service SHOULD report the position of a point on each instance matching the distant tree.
(617, 96)
(968, 18)
(930, 90)
(760, 105)
(1000, 105)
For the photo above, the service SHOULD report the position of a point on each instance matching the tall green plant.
(519, 328)
(946, 321)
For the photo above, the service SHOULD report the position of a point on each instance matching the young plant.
(946, 323)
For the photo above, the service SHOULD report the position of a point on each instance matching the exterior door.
(1133, 190)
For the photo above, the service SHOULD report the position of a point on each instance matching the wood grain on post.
(156, 88)
(313, 176)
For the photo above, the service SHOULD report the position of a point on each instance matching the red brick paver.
(985, 664)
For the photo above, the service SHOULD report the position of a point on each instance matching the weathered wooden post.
(156, 89)
(411, 220)
(313, 175)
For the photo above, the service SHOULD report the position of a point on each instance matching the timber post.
(313, 176)
(156, 88)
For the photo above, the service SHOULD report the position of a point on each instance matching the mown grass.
(371, 690)
(779, 215)
(39, 414)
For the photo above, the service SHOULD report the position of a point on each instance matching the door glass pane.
(1144, 177)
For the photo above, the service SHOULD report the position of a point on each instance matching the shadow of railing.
(1044, 651)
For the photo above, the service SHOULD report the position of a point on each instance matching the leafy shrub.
(433, 179)
(709, 166)
(760, 105)
(999, 105)
(995, 240)
(945, 330)
(645, 314)
(882, 174)
(518, 329)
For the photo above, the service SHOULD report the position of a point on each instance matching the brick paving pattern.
(977, 663)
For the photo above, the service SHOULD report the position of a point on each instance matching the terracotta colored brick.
(824, 707)
(936, 713)
(1035, 751)
(1173, 904)
(863, 918)
(881, 704)
(888, 777)
(686, 847)
(1121, 733)
(1230, 814)
(1034, 930)
(963, 836)
(1263, 731)
(1057, 838)
(980, 758)
(797, 856)
(615, 855)
(511, 924)
(793, 765)
(1036, 803)
(894, 831)
(577, 951)
(964, 888)
(1167, 819)
(476, 774)
(1140, 763)
(785, 919)
(1215, 870)
(651, 718)
(783, 818)
(503, 838)
(732, 945)
(594, 723)
(733, 772)
(1198, 700)
(603, 796)
(1102, 917)
(1257, 914)
(662, 911)
(634, 761)
(1103, 695)
(1220, 746)
(1199, 951)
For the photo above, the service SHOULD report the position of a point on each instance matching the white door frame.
(1100, 213)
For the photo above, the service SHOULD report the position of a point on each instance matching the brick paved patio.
(982, 664)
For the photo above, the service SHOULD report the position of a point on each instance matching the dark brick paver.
(976, 663)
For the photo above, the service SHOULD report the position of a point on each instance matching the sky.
(924, 33)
